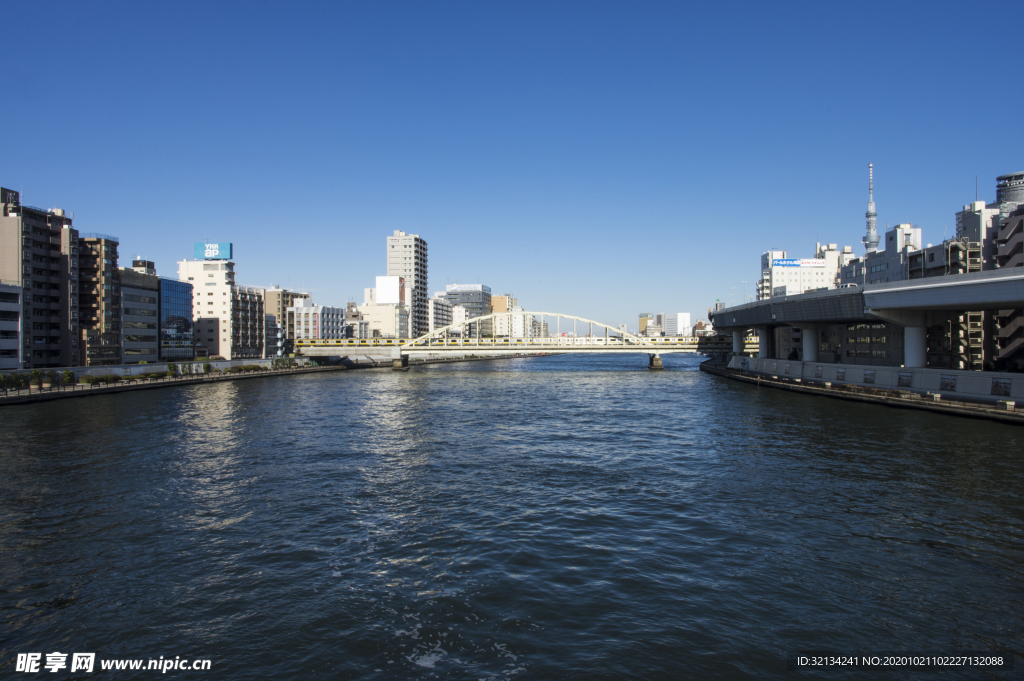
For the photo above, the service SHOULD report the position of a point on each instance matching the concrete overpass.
(910, 304)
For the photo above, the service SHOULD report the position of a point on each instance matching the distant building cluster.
(988, 236)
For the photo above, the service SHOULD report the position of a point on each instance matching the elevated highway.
(908, 304)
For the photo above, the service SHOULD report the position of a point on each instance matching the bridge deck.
(504, 345)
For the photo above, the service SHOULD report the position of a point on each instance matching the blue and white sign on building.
(798, 262)
(206, 251)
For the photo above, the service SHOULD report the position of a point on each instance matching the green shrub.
(68, 377)
(36, 376)
(207, 368)
(105, 378)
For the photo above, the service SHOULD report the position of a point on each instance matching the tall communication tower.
(870, 239)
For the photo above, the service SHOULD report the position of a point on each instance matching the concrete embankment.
(130, 384)
(892, 398)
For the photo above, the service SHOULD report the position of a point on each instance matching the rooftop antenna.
(870, 239)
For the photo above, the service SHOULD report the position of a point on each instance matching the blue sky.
(597, 159)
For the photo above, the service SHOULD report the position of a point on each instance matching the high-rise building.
(646, 318)
(407, 258)
(39, 255)
(177, 337)
(229, 319)
(140, 294)
(100, 300)
(157, 316)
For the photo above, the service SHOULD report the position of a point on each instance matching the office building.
(177, 337)
(99, 300)
(677, 324)
(407, 258)
(276, 302)
(140, 295)
(439, 313)
(39, 255)
(316, 322)
(476, 299)
(785, 276)
(229, 319)
(171, 332)
(10, 326)
(646, 318)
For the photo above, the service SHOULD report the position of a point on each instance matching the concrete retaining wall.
(984, 386)
(136, 369)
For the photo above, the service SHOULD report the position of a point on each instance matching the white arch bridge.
(505, 333)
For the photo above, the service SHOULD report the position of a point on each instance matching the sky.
(598, 159)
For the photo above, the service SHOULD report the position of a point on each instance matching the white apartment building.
(677, 324)
(229, 319)
(407, 258)
(891, 263)
(785, 276)
(439, 313)
(316, 322)
(513, 324)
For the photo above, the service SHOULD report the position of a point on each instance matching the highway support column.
(766, 337)
(915, 346)
(809, 340)
(737, 342)
(915, 333)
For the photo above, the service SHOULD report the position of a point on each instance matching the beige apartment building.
(276, 301)
(39, 255)
(229, 319)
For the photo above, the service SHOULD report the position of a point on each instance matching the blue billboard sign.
(206, 251)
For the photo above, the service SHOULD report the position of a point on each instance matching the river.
(567, 517)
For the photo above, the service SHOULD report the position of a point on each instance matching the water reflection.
(523, 518)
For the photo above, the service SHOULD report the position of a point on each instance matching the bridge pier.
(654, 362)
(400, 363)
(737, 342)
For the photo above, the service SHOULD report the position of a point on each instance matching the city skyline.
(594, 173)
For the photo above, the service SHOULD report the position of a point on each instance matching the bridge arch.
(443, 333)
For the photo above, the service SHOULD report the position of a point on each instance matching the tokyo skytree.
(870, 239)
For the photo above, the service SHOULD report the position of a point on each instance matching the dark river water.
(549, 518)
